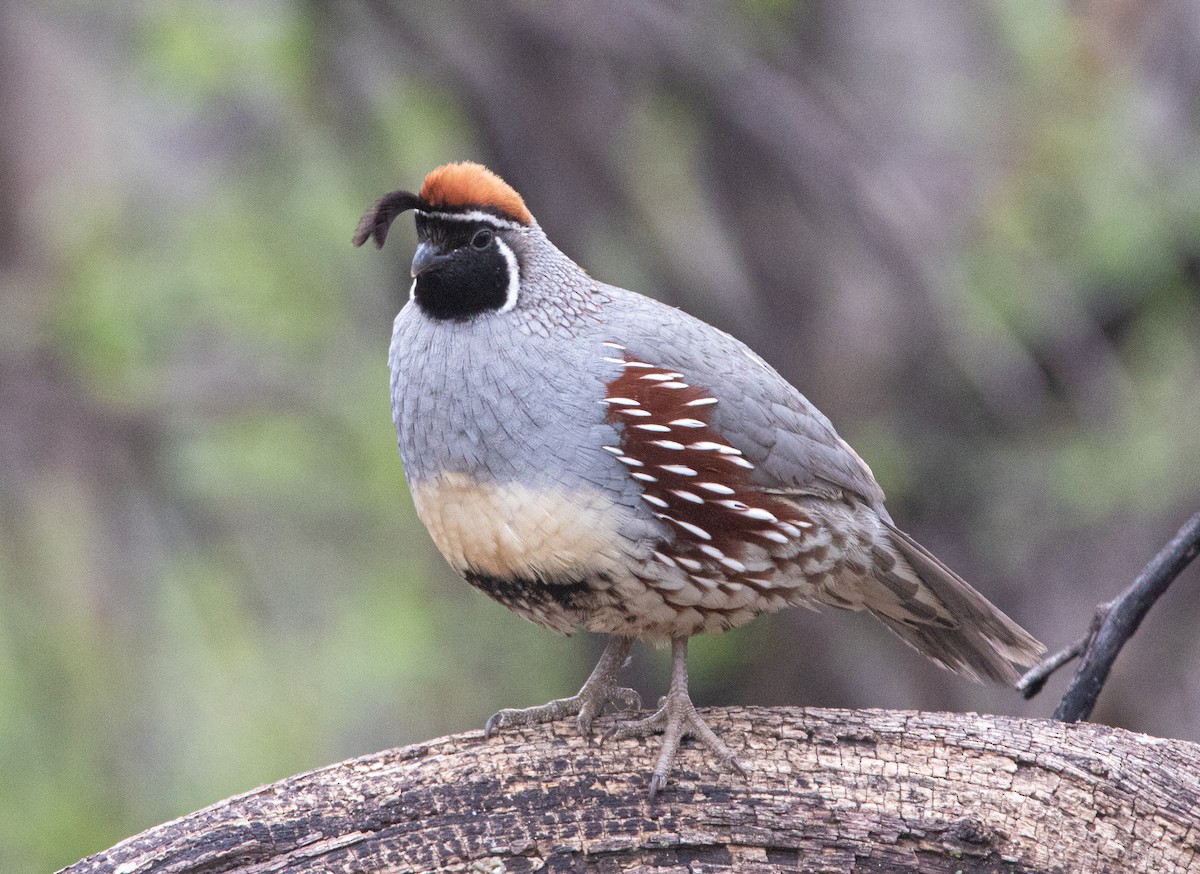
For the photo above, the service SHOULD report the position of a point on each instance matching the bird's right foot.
(600, 691)
(676, 719)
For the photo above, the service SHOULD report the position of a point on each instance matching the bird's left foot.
(675, 719)
(600, 691)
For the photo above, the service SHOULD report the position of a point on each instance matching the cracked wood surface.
(828, 791)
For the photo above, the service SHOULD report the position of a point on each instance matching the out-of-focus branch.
(1033, 681)
(1112, 626)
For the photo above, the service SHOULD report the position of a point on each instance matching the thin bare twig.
(1033, 681)
(1112, 626)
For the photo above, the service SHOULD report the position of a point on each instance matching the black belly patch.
(524, 594)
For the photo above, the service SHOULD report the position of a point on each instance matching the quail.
(594, 459)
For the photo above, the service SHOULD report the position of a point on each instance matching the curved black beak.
(427, 257)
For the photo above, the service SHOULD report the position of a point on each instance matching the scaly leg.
(600, 690)
(675, 719)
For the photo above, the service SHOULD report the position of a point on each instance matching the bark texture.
(828, 790)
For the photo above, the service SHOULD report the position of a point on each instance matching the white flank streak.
(635, 364)
(773, 536)
(662, 377)
(632, 412)
(650, 426)
(690, 563)
(612, 345)
(680, 469)
(632, 462)
(734, 565)
(739, 506)
(620, 361)
(651, 499)
(704, 582)
(622, 402)
(800, 523)
(688, 496)
(615, 450)
(701, 402)
(672, 385)
(717, 489)
(760, 514)
(644, 477)
(707, 446)
(692, 529)
(665, 559)
(688, 423)
(667, 444)
(711, 551)
(514, 276)
(740, 462)
(790, 530)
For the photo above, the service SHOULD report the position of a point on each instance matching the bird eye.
(482, 239)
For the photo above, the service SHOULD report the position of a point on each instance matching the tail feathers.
(935, 611)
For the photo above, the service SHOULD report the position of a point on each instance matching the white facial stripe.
(514, 276)
(474, 215)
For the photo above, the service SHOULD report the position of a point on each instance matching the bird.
(595, 459)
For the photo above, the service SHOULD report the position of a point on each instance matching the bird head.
(470, 225)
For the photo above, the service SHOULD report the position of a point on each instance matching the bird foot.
(586, 706)
(600, 691)
(676, 719)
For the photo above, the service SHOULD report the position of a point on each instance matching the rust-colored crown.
(467, 185)
(452, 188)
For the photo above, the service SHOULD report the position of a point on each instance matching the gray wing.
(793, 446)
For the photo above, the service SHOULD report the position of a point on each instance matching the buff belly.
(560, 559)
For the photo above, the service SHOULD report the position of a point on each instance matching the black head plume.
(376, 220)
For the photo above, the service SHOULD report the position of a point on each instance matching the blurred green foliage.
(300, 618)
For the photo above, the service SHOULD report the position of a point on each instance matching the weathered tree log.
(828, 790)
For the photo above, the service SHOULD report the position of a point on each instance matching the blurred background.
(969, 232)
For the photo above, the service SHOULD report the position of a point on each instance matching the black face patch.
(471, 274)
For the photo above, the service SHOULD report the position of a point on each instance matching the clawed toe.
(626, 700)
(620, 699)
(548, 712)
(655, 723)
(675, 719)
(600, 691)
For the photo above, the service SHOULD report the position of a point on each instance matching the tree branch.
(1036, 677)
(1113, 624)
(828, 790)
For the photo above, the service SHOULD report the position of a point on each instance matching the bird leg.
(675, 719)
(600, 690)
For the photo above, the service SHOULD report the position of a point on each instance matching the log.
(827, 791)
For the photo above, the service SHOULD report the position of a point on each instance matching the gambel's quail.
(592, 458)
